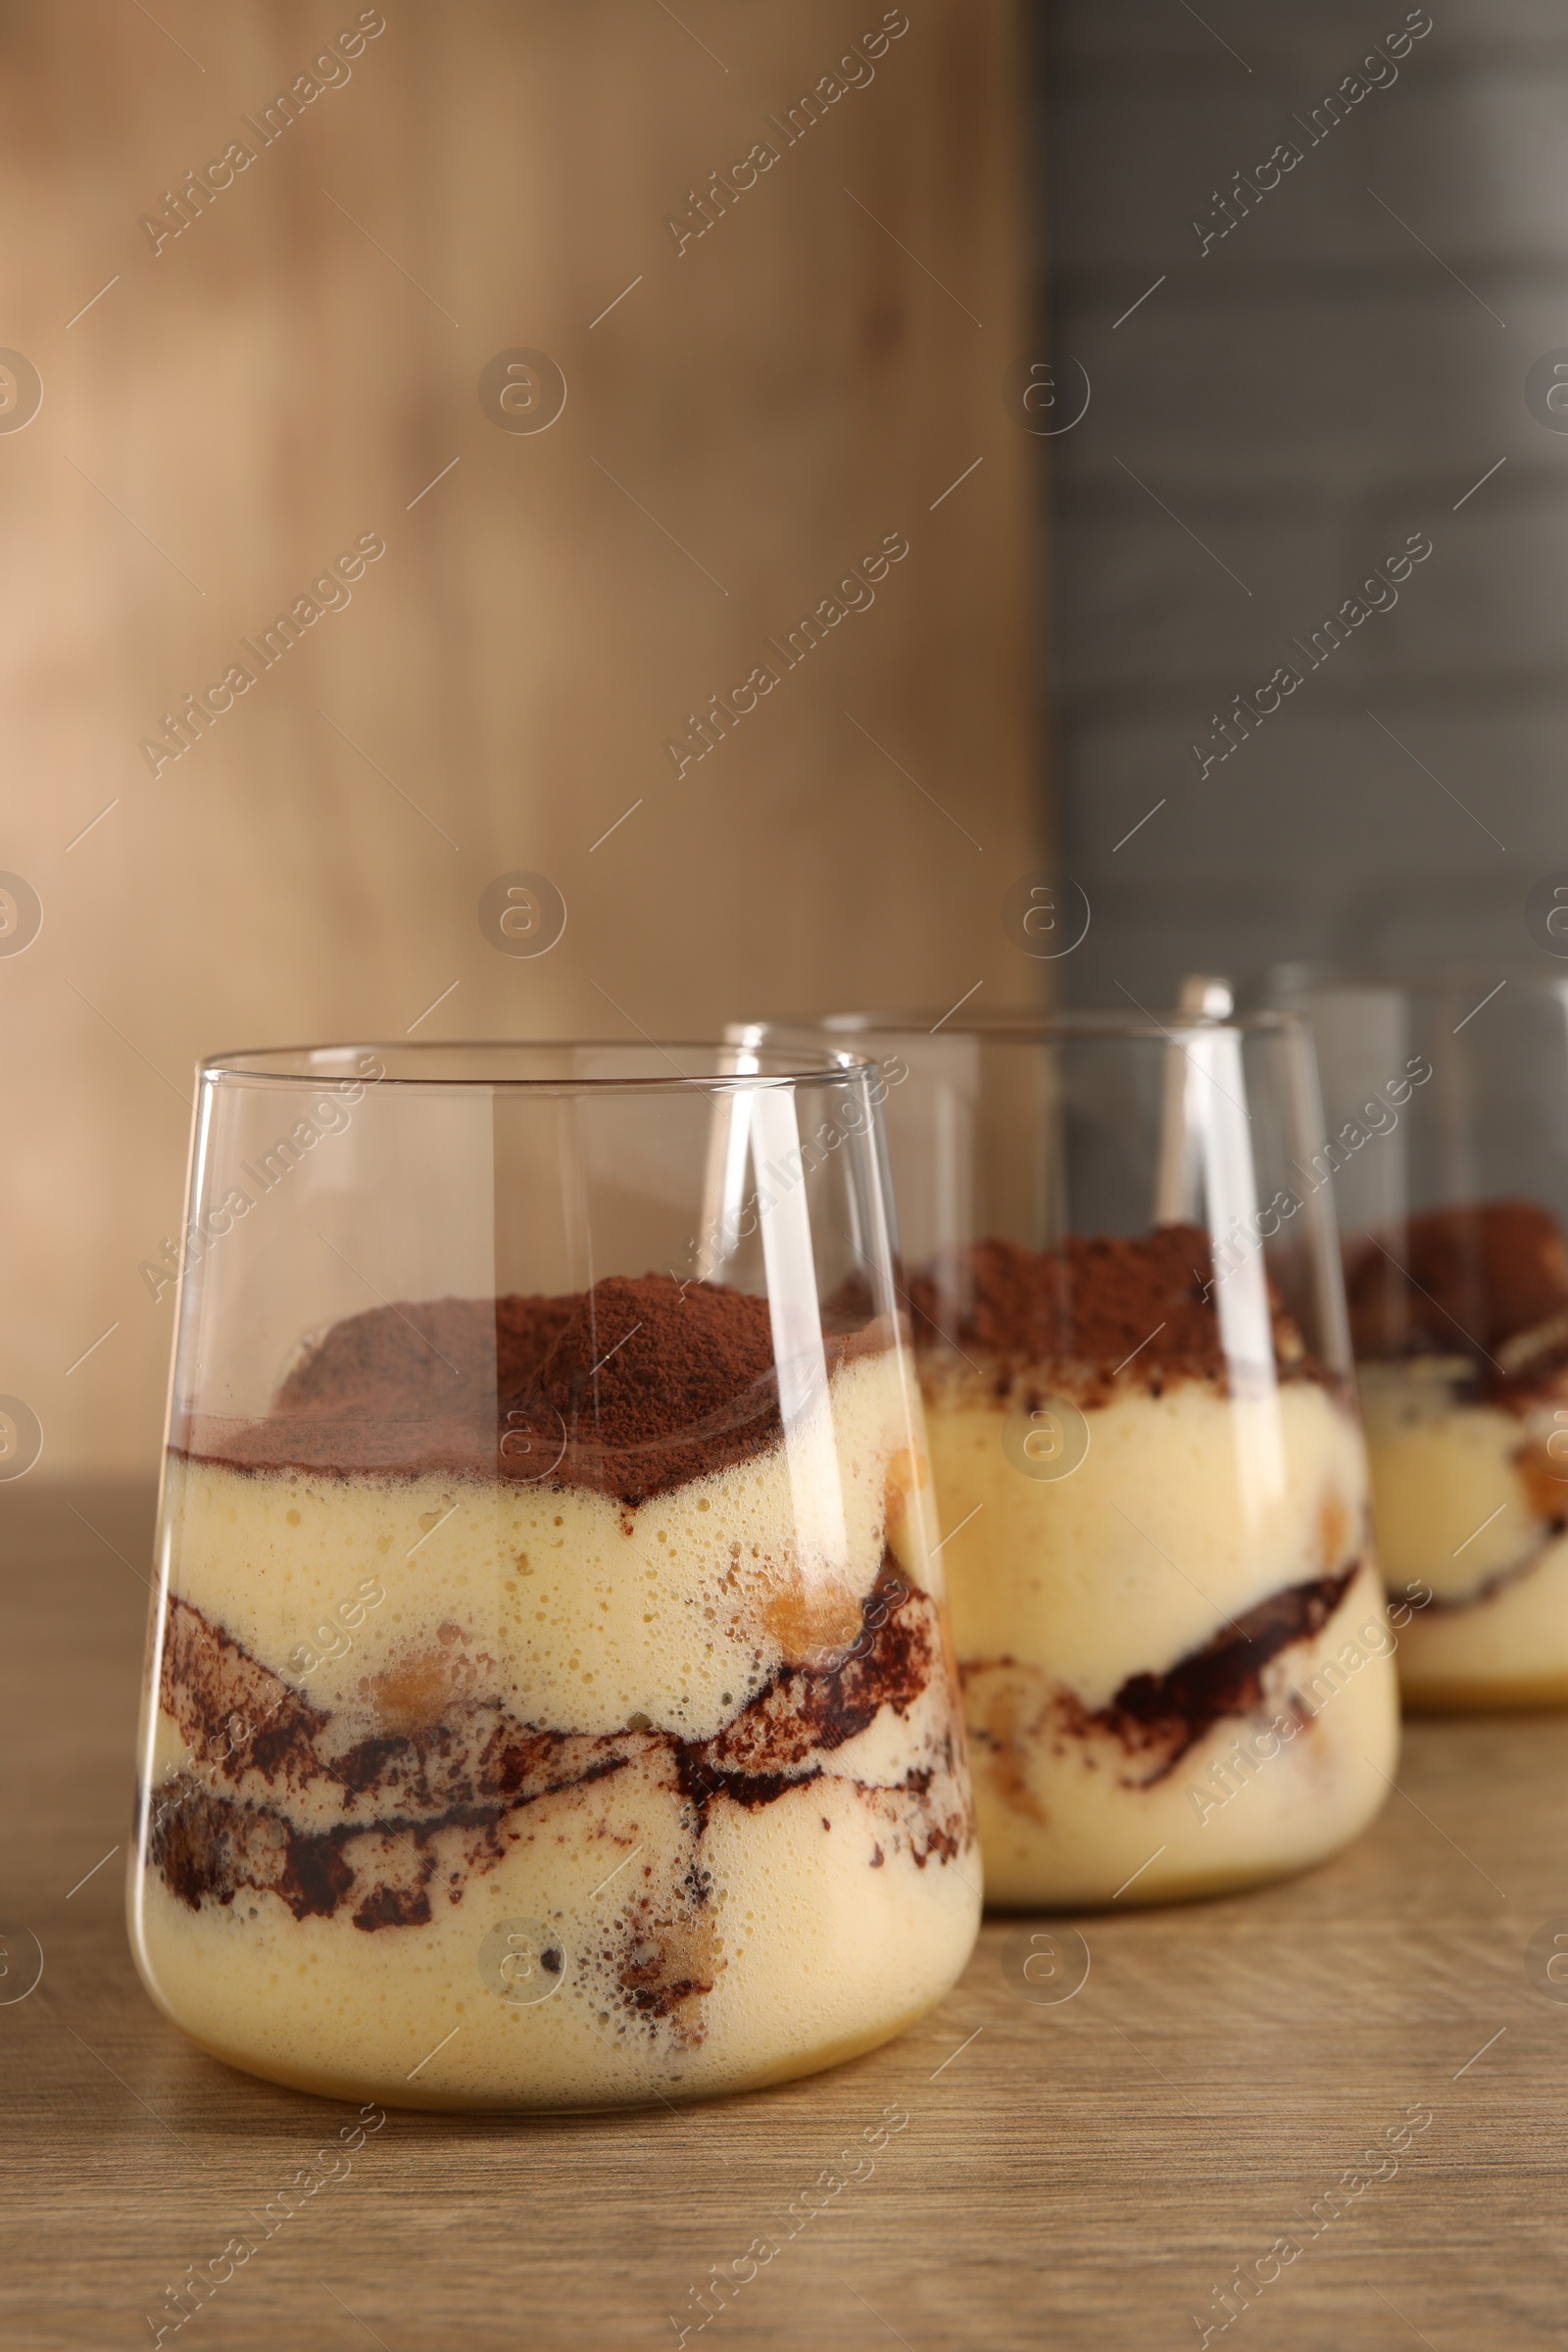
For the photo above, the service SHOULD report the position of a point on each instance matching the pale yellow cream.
(1187, 1510)
(1465, 1504)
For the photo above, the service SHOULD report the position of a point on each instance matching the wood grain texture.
(1072, 2176)
(299, 366)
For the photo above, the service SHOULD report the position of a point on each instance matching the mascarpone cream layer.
(1068, 1822)
(1187, 1509)
(811, 1950)
(678, 1611)
(1466, 1505)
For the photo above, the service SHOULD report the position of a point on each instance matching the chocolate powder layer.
(632, 1388)
(1090, 1304)
(1155, 1718)
(1487, 1281)
(1169, 1713)
(289, 1801)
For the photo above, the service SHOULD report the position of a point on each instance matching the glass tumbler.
(1130, 1325)
(1445, 1145)
(550, 1700)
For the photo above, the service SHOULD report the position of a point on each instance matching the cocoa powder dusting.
(631, 1387)
(1090, 1303)
(1488, 1281)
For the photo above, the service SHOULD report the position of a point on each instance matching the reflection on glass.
(1446, 1143)
(1131, 1339)
(549, 1699)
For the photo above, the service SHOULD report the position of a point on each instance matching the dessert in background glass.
(1176, 1662)
(550, 1700)
(1445, 1145)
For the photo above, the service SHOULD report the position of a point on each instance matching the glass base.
(360, 2089)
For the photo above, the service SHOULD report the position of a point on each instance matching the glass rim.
(314, 1066)
(1309, 975)
(1027, 1025)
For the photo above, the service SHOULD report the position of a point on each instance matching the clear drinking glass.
(548, 1698)
(1130, 1328)
(1446, 1146)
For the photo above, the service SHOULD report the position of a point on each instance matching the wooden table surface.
(1079, 2172)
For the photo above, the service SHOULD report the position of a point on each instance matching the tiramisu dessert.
(534, 1719)
(1459, 1320)
(1171, 1628)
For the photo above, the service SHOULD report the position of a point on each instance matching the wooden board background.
(220, 418)
(1071, 2177)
